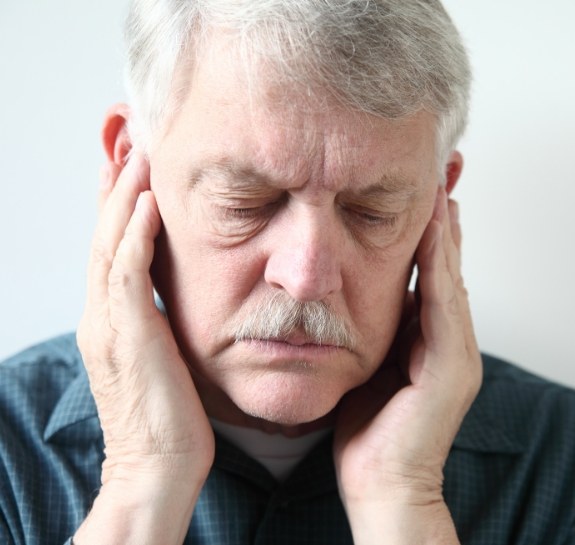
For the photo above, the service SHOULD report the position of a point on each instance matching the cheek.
(203, 287)
(375, 295)
(378, 308)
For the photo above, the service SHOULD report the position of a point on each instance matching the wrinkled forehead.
(265, 88)
(234, 107)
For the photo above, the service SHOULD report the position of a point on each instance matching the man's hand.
(159, 443)
(394, 434)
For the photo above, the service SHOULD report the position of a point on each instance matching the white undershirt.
(276, 452)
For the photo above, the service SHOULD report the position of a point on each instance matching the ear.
(453, 170)
(115, 137)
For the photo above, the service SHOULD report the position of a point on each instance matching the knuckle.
(95, 337)
(118, 278)
(101, 254)
(93, 340)
(131, 253)
(460, 286)
(452, 304)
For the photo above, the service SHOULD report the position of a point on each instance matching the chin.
(286, 399)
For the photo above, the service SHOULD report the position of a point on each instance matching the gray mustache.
(280, 315)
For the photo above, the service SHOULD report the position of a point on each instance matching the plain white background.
(61, 67)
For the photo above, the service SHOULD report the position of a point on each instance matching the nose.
(306, 257)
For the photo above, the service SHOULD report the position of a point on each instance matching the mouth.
(293, 338)
(299, 339)
(292, 347)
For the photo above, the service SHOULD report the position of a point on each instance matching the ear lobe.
(115, 137)
(453, 171)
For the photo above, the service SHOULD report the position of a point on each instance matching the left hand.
(394, 434)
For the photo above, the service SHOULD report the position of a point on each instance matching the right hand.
(395, 432)
(156, 433)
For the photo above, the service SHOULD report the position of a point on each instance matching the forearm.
(389, 524)
(146, 514)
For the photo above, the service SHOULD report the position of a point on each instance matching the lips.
(297, 340)
(293, 346)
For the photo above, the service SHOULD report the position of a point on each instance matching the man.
(280, 171)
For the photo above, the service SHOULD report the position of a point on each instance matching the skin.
(308, 223)
(305, 232)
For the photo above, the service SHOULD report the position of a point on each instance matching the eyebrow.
(396, 185)
(239, 176)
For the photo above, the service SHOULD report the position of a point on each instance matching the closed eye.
(252, 212)
(370, 218)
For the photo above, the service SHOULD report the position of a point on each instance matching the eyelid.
(370, 217)
(250, 208)
(376, 221)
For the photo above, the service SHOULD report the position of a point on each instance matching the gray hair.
(390, 58)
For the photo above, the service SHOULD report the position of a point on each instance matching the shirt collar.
(480, 433)
(483, 429)
(76, 407)
(313, 476)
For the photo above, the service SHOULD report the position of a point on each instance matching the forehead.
(235, 120)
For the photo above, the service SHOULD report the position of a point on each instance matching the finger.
(447, 334)
(450, 232)
(130, 285)
(441, 322)
(133, 179)
(453, 207)
(452, 246)
(109, 174)
(114, 218)
(451, 240)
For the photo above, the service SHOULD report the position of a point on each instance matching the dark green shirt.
(510, 477)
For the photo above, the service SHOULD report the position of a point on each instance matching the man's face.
(259, 199)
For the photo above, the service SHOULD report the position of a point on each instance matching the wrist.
(148, 511)
(398, 523)
(151, 471)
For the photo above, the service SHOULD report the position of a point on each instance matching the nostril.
(305, 276)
